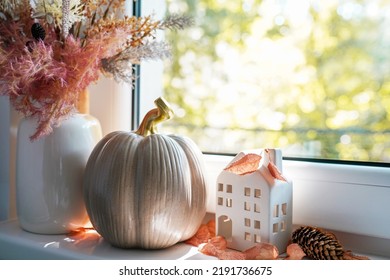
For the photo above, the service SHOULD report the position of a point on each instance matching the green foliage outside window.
(311, 77)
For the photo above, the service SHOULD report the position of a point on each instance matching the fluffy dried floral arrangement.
(51, 50)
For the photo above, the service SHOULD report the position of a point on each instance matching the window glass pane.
(310, 77)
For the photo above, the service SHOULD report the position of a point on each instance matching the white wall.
(110, 103)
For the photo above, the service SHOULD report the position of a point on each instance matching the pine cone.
(318, 244)
(38, 32)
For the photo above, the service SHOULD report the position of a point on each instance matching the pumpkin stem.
(155, 116)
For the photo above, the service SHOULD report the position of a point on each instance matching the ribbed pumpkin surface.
(146, 192)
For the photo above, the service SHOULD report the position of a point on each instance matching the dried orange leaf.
(208, 249)
(262, 251)
(217, 247)
(211, 227)
(275, 172)
(230, 255)
(201, 236)
(294, 252)
(219, 242)
(245, 165)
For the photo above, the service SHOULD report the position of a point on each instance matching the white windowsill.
(16, 243)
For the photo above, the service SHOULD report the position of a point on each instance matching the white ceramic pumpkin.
(144, 189)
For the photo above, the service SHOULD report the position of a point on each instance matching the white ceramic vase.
(49, 174)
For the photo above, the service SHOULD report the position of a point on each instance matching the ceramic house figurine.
(254, 201)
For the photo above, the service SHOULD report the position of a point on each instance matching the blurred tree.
(310, 78)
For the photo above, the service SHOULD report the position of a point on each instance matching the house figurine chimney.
(254, 201)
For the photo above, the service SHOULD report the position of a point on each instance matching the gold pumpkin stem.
(155, 116)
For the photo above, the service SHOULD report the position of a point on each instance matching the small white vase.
(49, 174)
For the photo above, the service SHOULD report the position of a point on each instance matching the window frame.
(368, 181)
(135, 91)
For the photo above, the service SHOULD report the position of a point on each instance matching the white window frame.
(349, 198)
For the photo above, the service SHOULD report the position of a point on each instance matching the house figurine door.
(254, 201)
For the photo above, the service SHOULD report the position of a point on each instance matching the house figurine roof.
(268, 162)
(254, 200)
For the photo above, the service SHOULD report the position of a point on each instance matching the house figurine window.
(256, 199)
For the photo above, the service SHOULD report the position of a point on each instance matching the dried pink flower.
(44, 75)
